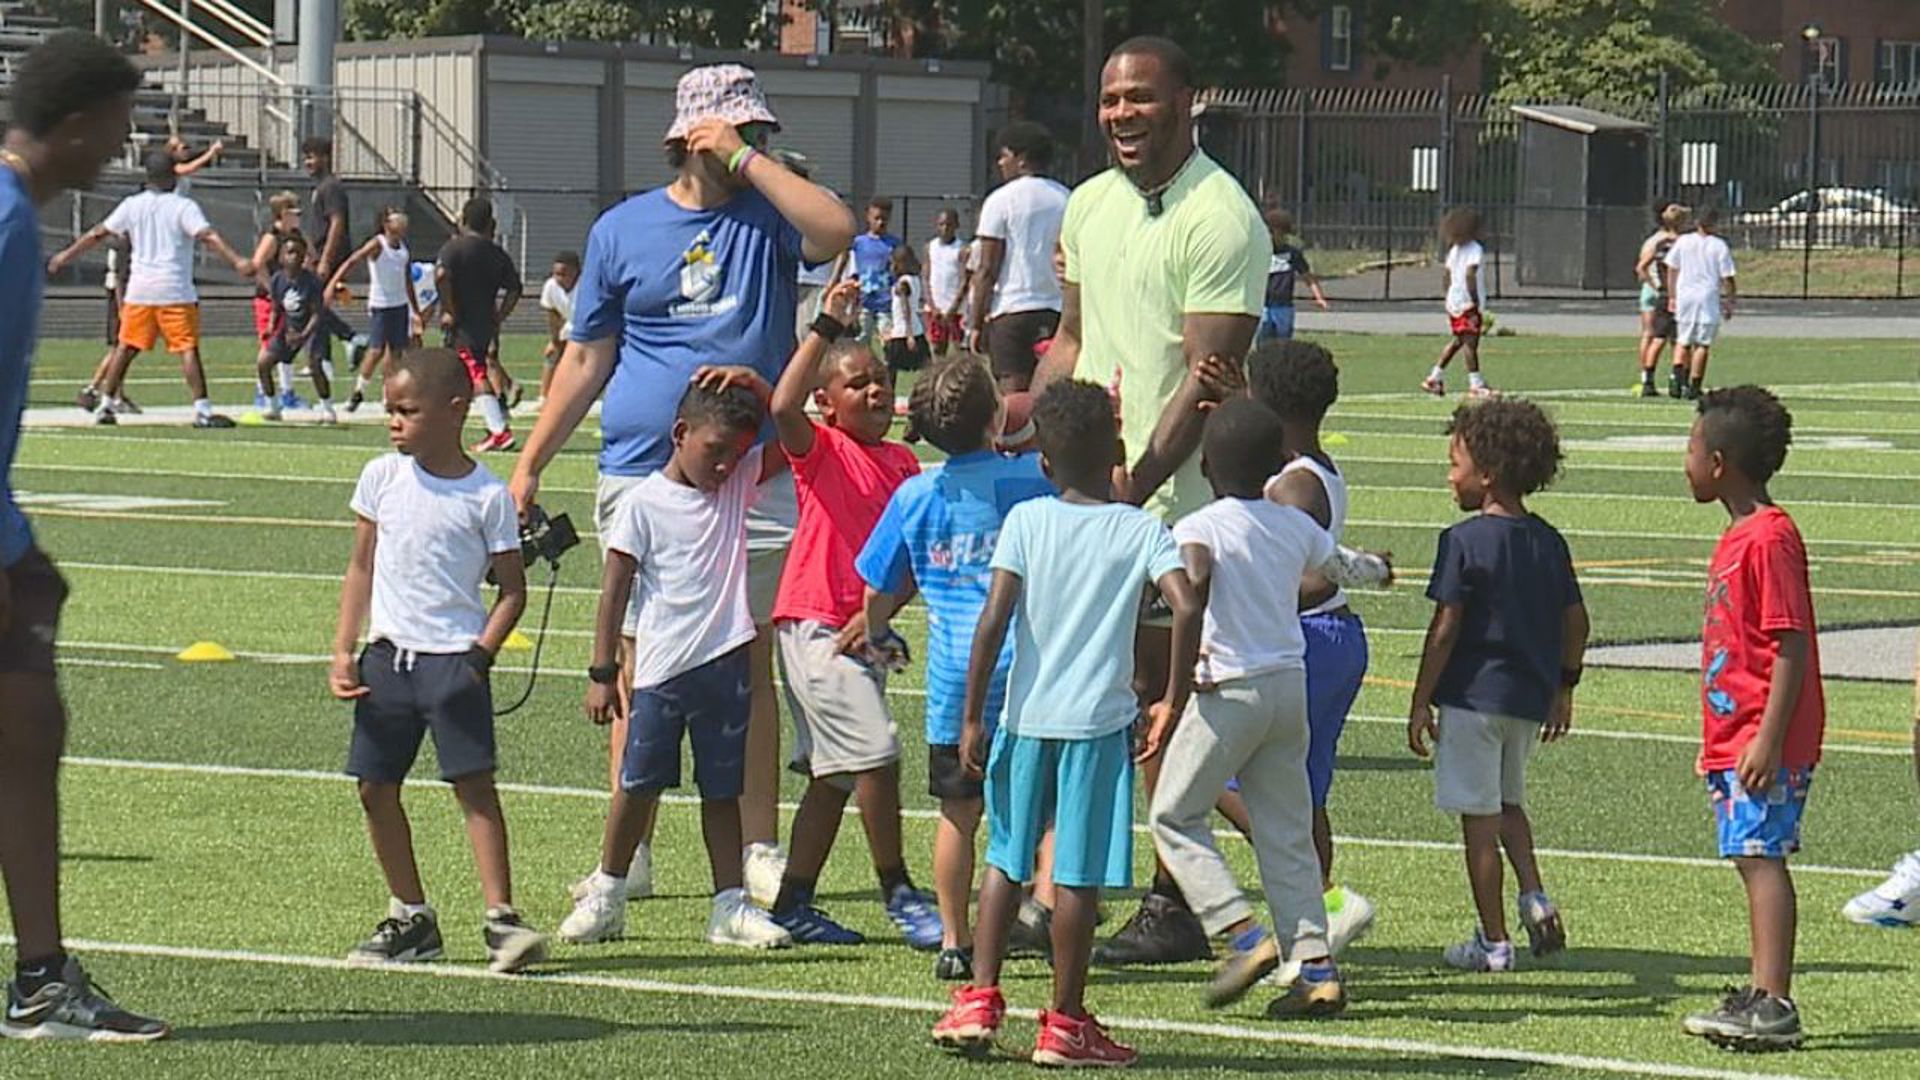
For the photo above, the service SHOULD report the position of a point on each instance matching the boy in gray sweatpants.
(1248, 717)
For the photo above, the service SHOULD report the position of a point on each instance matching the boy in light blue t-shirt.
(938, 535)
(1071, 569)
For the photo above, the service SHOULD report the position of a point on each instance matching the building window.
(1827, 62)
(1339, 53)
(1899, 63)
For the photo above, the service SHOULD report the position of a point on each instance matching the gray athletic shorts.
(841, 724)
(1480, 761)
(769, 532)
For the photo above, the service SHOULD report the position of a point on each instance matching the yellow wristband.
(740, 158)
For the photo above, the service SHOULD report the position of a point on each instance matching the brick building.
(1859, 41)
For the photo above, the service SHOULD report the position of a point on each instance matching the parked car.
(1842, 217)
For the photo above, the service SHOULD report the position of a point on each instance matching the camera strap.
(539, 641)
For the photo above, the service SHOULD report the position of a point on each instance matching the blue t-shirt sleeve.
(1448, 583)
(884, 562)
(600, 299)
(1163, 555)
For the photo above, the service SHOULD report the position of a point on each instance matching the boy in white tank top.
(392, 304)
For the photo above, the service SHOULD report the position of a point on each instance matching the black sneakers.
(355, 400)
(74, 1008)
(399, 940)
(1162, 931)
(953, 965)
(512, 945)
(212, 420)
(1750, 1020)
(1032, 931)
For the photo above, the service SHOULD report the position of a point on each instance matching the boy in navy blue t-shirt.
(1502, 657)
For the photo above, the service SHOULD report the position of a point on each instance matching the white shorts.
(841, 724)
(1696, 324)
(1480, 761)
(769, 532)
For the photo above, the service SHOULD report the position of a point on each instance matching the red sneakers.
(1072, 1042)
(974, 1019)
(493, 443)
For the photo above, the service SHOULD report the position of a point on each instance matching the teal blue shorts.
(1082, 787)
(1764, 826)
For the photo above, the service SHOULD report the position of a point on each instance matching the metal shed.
(1583, 190)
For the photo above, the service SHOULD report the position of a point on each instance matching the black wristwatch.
(604, 674)
(1570, 677)
(828, 327)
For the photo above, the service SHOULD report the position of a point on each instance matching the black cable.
(539, 641)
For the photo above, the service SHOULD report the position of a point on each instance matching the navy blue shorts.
(388, 328)
(710, 705)
(410, 695)
(318, 347)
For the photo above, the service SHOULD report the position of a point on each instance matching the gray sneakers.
(74, 1008)
(1751, 1020)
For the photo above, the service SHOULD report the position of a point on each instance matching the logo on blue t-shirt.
(701, 278)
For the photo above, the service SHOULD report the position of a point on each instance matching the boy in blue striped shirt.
(937, 535)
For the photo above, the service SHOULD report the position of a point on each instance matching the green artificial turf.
(251, 872)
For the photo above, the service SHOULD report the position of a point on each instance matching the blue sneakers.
(291, 400)
(914, 913)
(808, 925)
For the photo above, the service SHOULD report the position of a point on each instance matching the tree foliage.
(1548, 50)
(717, 23)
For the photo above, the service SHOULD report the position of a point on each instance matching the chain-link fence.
(1818, 188)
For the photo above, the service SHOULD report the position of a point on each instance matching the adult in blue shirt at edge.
(701, 271)
(72, 99)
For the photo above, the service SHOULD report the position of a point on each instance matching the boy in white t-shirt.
(430, 525)
(1249, 716)
(1466, 301)
(948, 278)
(677, 546)
(1699, 269)
(556, 299)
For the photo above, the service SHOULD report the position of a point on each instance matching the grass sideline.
(233, 882)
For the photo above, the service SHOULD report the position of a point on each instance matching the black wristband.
(1570, 677)
(480, 659)
(828, 327)
(603, 674)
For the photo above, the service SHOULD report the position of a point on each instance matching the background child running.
(1289, 265)
(556, 302)
(937, 537)
(1699, 272)
(298, 301)
(870, 262)
(1503, 654)
(844, 471)
(1248, 718)
(1656, 316)
(391, 303)
(1067, 576)
(1762, 707)
(1466, 300)
(430, 525)
(284, 220)
(678, 546)
(1299, 381)
(907, 348)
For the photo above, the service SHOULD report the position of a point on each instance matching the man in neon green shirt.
(1166, 263)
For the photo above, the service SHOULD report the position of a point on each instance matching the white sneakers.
(736, 921)
(762, 866)
(599, 912)
(639, 877)
(1478, 954)
(1349, 917)
(1894, 902)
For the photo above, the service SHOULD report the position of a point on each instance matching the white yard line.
(1451, 848)
(881, 1003)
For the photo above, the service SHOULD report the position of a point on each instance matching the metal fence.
(1818, 188)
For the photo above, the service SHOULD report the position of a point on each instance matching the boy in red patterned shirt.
(1762, 710)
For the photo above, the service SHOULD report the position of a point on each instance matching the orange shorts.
(143, 324)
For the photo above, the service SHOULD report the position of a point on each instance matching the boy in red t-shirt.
(844, 471)
(1762, 711)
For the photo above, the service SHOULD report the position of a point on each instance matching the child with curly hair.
(1502, 657)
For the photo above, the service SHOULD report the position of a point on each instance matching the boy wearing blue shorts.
(677, 547)
(1289, 264)
(937, 534)
(1762, 708)
(1503, 654)
(1071, 568)
(431, 524)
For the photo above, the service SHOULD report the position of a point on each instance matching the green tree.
(1416, 31)
(1561, 50)
(719, 23)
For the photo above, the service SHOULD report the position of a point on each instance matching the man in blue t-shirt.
(72, 97)
(698, 272)
(871, 264)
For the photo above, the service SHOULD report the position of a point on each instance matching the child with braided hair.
(937, 535)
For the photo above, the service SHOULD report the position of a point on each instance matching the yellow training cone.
(517, 640)
(203, 652)
(1333, 438)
